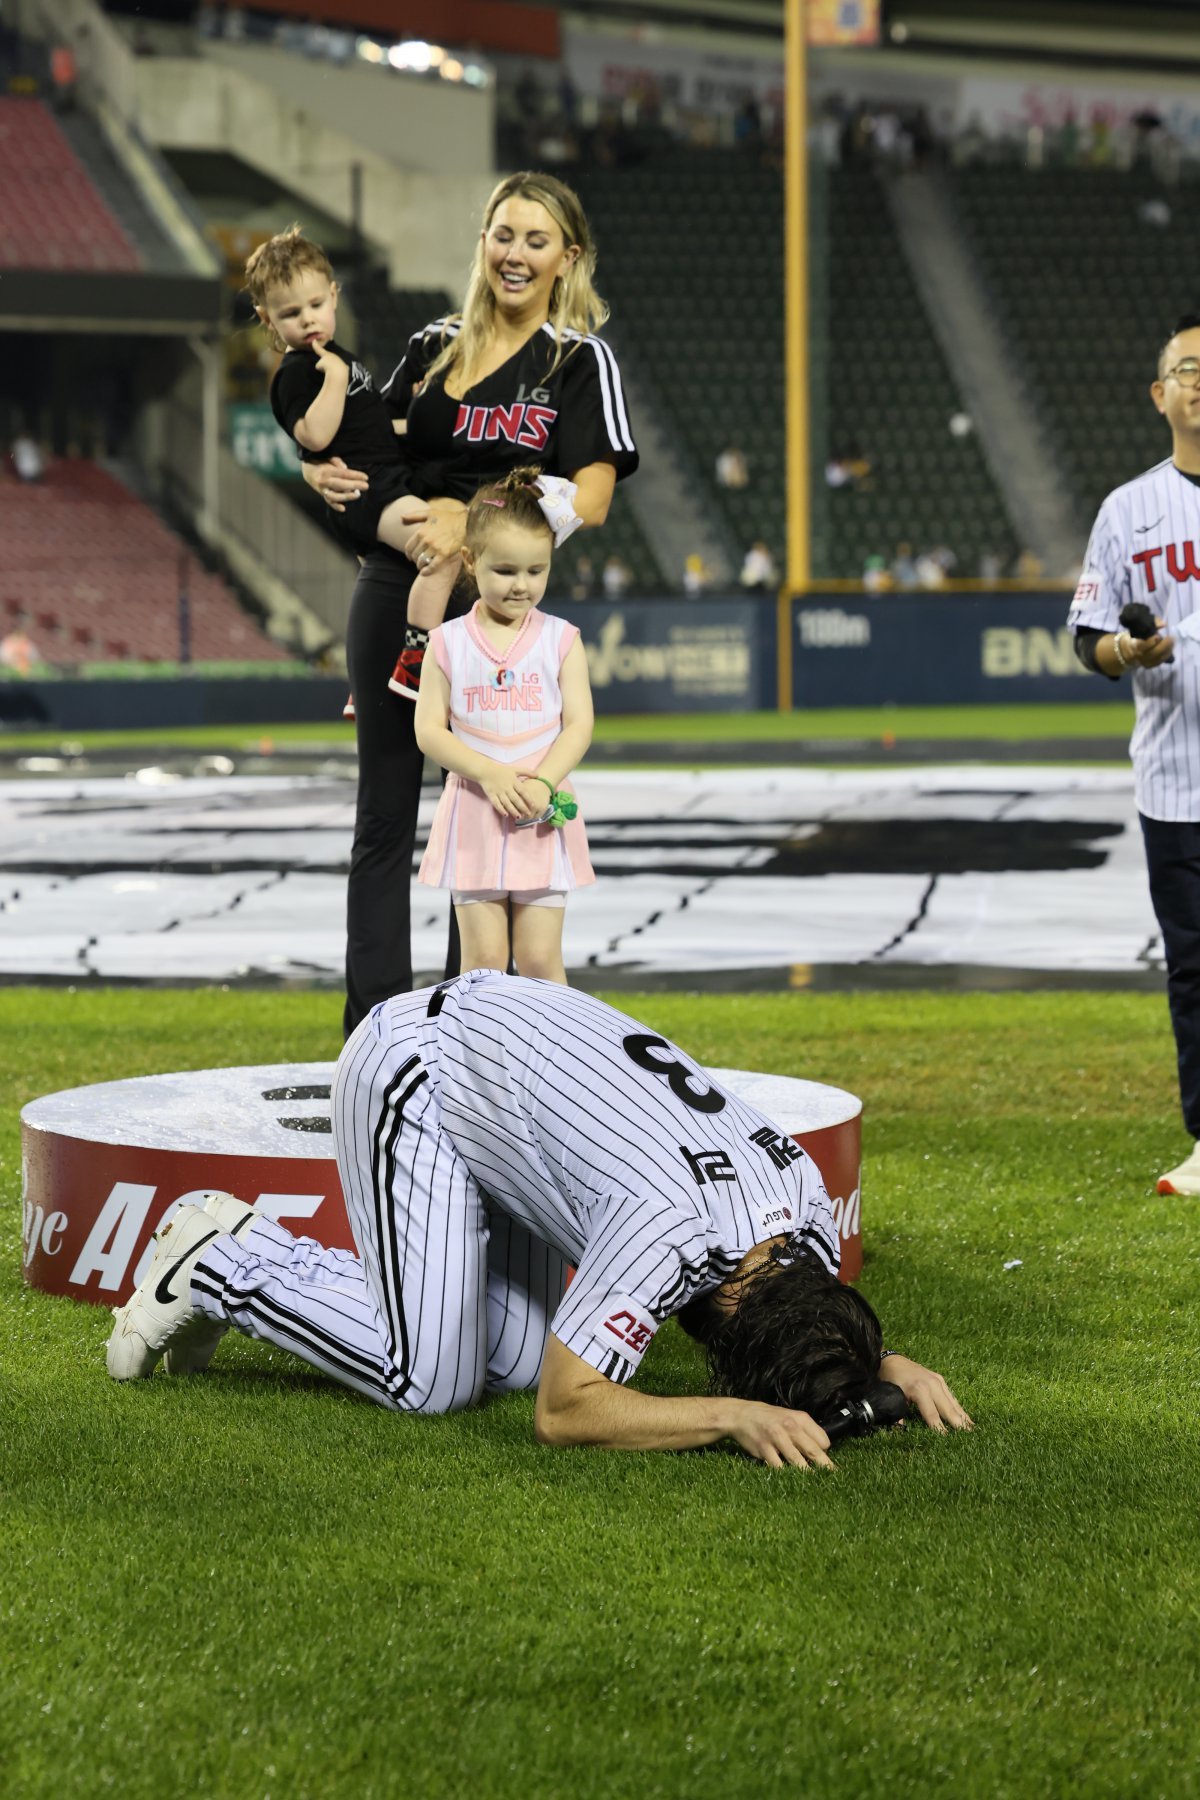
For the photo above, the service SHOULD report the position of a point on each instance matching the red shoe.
(348, 711)
(406, 676)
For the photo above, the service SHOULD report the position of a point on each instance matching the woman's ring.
(425, 557)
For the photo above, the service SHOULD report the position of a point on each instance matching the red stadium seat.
(53, 216)
(100, 571)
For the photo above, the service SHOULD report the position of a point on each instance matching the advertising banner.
(937, 650)
(259, 444)
(1008, 105)
(104, 1167)
(678, 655)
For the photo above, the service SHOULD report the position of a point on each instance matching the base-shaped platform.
(103, 1166)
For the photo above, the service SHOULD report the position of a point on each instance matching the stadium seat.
(53, 215)
(1085, 289)
(710, 350)
(85, 557)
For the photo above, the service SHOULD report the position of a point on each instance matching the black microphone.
(882, 1406)
(1139, 621)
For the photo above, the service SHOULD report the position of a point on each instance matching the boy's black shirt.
(364, 437)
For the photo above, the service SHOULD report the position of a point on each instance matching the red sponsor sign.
(837, 1152)
(91, 1207)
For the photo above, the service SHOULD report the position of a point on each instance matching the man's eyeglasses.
(1187, 374)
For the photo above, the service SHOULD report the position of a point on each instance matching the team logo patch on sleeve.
(623, 1326)
(1088, 601)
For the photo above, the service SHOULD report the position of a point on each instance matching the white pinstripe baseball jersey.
(1145, 545)
(487, 1133)
(610, 1144)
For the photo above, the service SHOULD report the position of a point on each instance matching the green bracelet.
(562, 806)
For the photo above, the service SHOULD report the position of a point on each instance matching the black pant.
(378, 936)
(1173, 864)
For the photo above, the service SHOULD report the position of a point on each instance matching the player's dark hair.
(796, 1337)
(1188, 322)
(513, 500)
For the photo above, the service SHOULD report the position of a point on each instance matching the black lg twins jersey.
(523, 413)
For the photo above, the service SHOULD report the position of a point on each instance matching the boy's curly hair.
(796, 1337)
(277, 263)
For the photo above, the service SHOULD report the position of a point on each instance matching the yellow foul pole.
(795, 312)
(799, 567)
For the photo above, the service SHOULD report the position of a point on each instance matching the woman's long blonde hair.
(574, 303)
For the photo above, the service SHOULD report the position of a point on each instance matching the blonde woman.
(518, 376)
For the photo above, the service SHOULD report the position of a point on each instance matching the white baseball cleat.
(191, 1352)
(160, 1311)
(1183, 1180)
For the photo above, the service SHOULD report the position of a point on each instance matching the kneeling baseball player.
(492, 1132)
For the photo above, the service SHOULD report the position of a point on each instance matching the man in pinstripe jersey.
(490, 1133)
(1145, 547)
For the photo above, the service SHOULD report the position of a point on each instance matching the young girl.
(506, 706)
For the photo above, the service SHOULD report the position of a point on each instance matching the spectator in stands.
(747, 125)
(759, 574)
(904, 568)
(27, 458)
(1029, 566)
(17, 652)
(972, 143)
(989, 566)
(733, 471)
(1155, 211)
(876, 576)
(583, 579)
(1069, 139)
(830, 127)
(848, 469)
(64, 77)
(929, 571)
(532, 281)
(696, 575)
(557, 146)
(615, 577)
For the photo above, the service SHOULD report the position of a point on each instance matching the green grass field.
(253, 1584)
(1008, 724)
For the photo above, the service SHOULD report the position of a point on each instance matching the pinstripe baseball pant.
(447, 1298)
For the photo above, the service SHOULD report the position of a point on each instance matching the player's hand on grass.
(334, 481)
(777, 1436)
(925, 1390)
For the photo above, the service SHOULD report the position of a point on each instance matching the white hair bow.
(556, 497)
